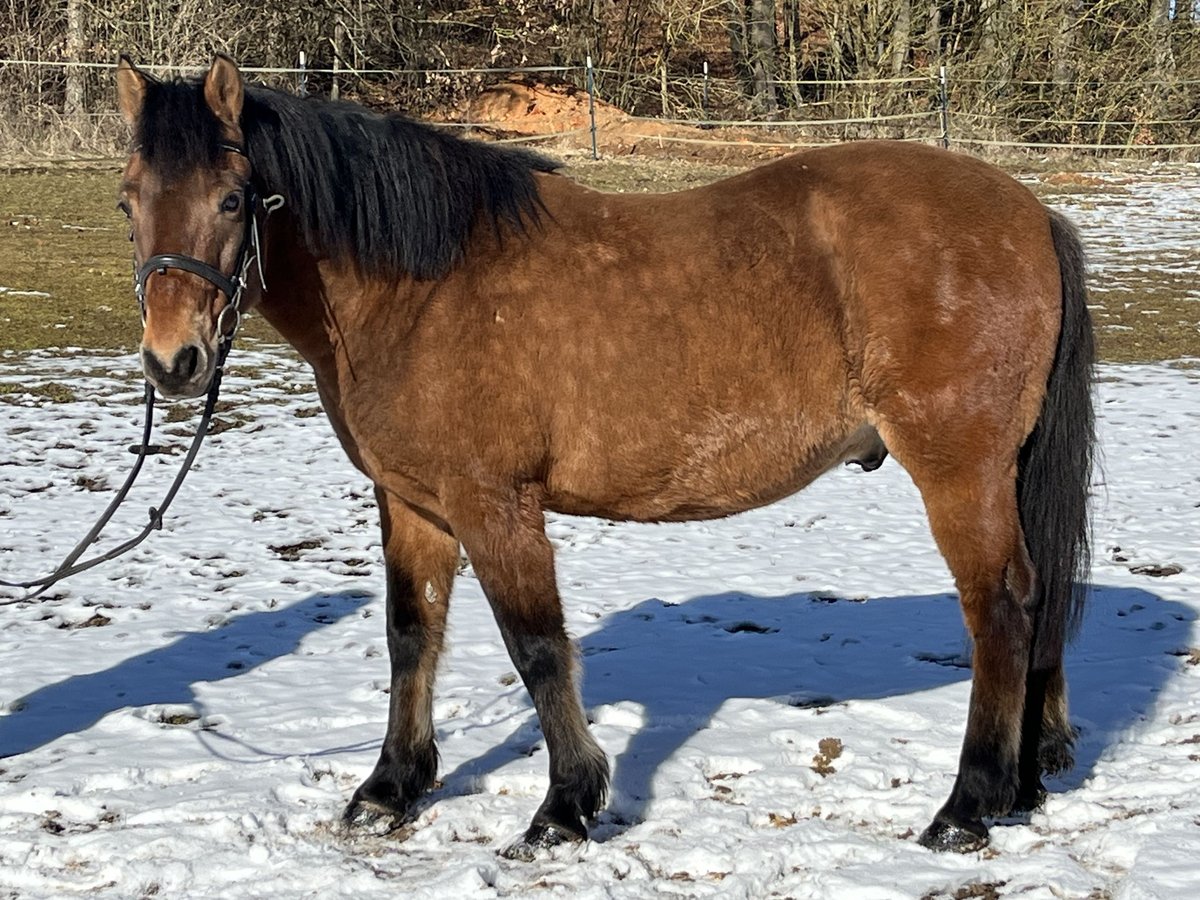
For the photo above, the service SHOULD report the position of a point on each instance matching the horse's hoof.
(367, 815)
(540, 836)
(943, 835)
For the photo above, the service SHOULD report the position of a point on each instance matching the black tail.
(1055, 467)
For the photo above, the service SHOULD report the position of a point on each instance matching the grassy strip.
(61, 235)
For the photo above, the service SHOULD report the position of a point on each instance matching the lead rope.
(69, 566)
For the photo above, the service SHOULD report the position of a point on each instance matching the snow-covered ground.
(782, 693)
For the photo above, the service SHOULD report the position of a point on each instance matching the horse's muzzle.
(186, 374)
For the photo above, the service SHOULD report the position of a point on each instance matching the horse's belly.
(706, 475)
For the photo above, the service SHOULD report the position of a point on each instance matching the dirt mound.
(556, 116)
(532, 109)
(1073, 179)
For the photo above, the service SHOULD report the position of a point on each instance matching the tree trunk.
(933, 32)
(762, 47)
(736, 26)
(1160, 38)
(74, 104)
(791, 19)
(1064, 44)
(901, 36)
(1164, 61)
(751, 27)
(993, 44)
(339, 34)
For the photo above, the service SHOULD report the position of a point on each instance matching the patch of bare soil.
(532, 109)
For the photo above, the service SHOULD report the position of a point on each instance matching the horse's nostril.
(153, 367)
(187, 362)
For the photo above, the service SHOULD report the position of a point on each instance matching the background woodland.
(1114, 72)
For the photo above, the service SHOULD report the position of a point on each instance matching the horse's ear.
(223, 91)
(131, 90)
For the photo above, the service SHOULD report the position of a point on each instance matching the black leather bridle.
(232, 286)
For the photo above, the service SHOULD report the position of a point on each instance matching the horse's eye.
(123, 206)
(232, 203)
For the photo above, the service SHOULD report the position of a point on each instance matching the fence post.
(591, 89)
(704, 96)
(302, 77)
(944, 102)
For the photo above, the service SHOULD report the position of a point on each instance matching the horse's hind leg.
(503, 533)
(1055, 745)
(1047, 735)
(421, 562)
(972, 508)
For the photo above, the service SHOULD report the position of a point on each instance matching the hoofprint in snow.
(783, 693)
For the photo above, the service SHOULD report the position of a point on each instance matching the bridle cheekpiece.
(233, 285)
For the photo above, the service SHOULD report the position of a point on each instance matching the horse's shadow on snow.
(165, 675)
(681, 662)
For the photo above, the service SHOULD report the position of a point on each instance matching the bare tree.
(74, 103)
(1125, 64)
(901, 35)
(754, 46)
(1160, 37)
(1064, 43)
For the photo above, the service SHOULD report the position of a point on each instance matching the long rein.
(228, 322)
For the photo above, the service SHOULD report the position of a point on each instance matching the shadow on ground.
(166, 674)
(681, 662)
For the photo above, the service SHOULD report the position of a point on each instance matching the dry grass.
(60, 234)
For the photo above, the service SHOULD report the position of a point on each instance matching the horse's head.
(191, 206)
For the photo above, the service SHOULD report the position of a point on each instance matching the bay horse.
(491, 340)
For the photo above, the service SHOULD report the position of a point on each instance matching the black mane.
(391, 194)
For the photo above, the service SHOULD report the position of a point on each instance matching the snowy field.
(782, 694)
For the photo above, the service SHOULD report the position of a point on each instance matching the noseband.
(233, 285)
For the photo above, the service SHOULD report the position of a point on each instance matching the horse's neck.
(329, 312)
(292, 299)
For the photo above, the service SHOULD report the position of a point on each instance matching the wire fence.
(691, 108)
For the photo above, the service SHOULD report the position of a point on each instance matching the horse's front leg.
(421, 562)
(503, 532)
